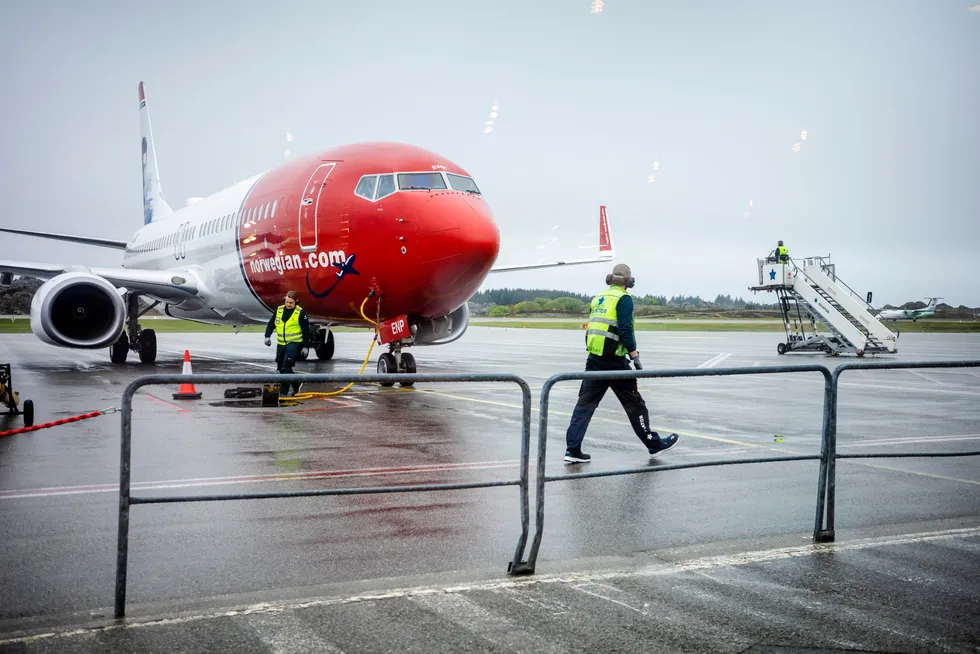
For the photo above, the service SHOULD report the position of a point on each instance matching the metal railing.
(528, 566)
(826, 482)
(126, 499)
(826, 532)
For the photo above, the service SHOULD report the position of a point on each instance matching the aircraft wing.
(167, 286)
(85, 240)
(606, 251)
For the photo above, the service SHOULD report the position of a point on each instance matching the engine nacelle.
(441, 330)
(78, 309)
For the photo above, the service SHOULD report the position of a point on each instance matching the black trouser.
(591, 392)
(285, 358)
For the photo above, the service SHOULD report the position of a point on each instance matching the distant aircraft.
(910, 314)
(403, 223)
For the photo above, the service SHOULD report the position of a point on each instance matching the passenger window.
(420, 182)
(386, 186)
(365, 187)
(273, 214)
(460, 183)
(265, 211)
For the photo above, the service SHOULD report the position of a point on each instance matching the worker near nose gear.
(609, 337)
(782, 253)
(292, 327)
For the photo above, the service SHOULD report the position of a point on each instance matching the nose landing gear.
(395, 361)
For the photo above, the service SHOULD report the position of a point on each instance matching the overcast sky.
(887, 180)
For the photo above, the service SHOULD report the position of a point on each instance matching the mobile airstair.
(812, 295)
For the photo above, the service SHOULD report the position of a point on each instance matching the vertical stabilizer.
(154, 206)
(605, 236)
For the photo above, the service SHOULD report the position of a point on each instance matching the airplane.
(910, 314)
(389, 223)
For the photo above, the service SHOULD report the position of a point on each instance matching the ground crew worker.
(292, 327)
(609, 337)
(782, 253)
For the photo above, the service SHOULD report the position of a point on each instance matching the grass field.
(23, 326)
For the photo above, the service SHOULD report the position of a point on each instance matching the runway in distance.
(395, 219)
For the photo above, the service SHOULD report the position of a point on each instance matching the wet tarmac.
(58, 487)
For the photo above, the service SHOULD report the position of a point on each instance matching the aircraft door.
(309, 206)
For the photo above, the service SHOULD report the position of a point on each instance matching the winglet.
(605, 237)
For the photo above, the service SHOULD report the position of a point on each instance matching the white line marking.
(719, 359)
(660, 569)
(252, 479)
(913, 439)
(710, 362)
(915, 389)
(487, 624)
(286, 634)
(583, 588)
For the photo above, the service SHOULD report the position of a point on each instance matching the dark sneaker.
(664, 444)
(576, 456)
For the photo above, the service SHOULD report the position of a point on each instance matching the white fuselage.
(202, 238)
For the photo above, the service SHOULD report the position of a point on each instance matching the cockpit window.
(420, 181)
(365, 187)
(460, 183)
(386, 186)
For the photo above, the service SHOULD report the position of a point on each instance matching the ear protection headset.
(629, 282)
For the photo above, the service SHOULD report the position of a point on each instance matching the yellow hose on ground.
(311, 395)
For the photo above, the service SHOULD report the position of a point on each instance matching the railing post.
(122, 541)
(516, 565)
(527, 567)
(828, 449)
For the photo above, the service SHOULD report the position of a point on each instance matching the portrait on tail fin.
(147, 189)
(344, 269)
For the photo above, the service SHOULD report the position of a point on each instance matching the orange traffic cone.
(187, 391)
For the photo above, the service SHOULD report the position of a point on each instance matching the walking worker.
(609, 337)
(292, 327)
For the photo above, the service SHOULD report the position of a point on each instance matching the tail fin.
(154, 206)
(605, 237)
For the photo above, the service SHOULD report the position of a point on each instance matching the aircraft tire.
(386, 366)
(28, 413)
(781, 348)
(148, 346)
(408, 366)
(324, 351)
(119, 350)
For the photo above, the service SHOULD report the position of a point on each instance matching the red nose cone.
(458, 242)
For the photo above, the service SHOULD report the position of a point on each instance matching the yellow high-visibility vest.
(289, 331)
(602, 332)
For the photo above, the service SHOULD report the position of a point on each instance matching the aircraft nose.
(458, 242)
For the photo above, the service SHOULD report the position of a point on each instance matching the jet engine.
(441, 330)
(78, 309)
